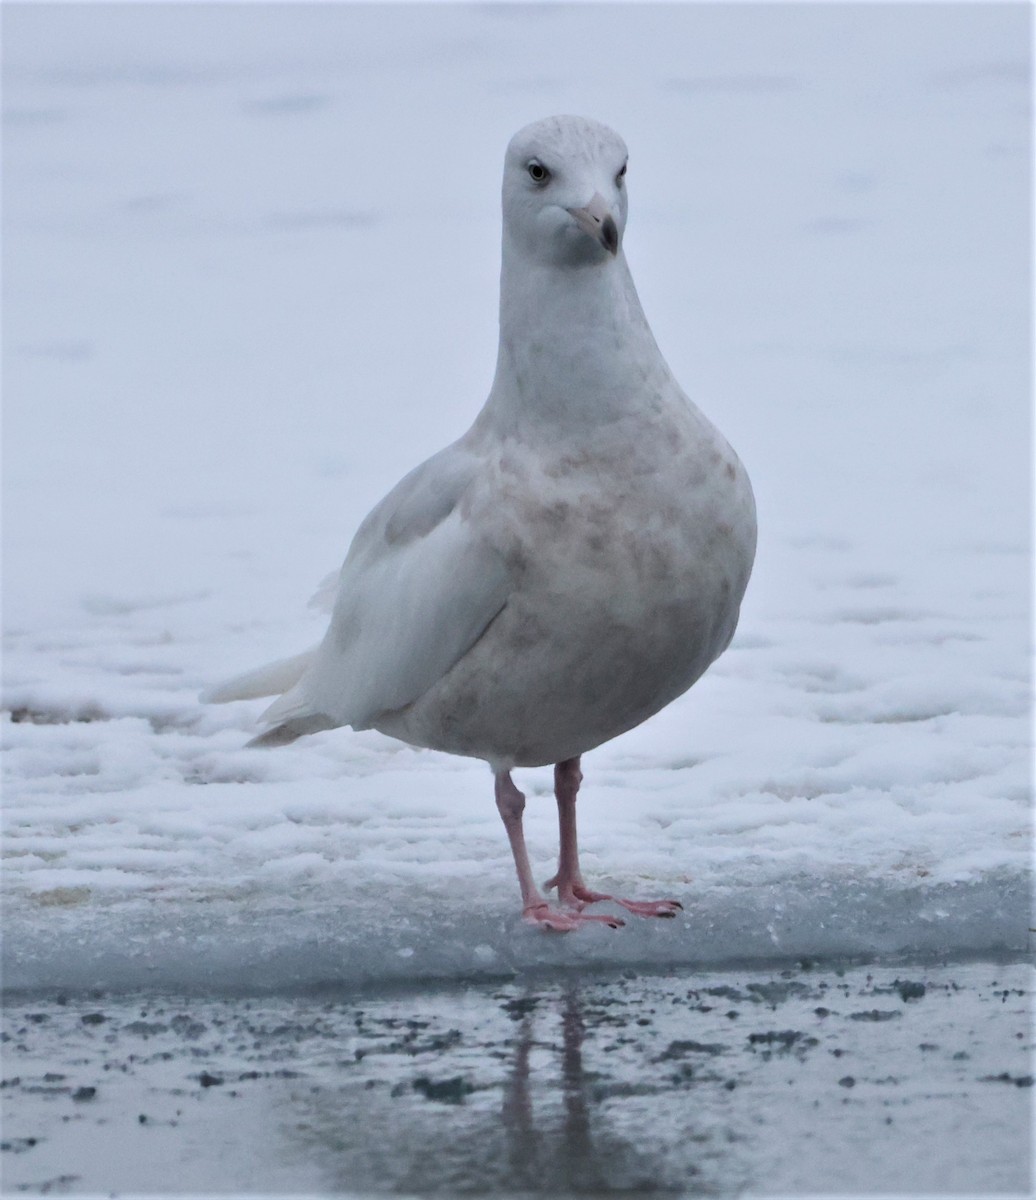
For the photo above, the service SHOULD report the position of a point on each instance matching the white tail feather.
(270, 680)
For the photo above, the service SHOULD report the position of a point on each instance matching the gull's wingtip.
(290, 731)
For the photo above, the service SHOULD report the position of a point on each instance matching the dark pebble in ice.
(520, 1007)
(822, 1012)
(847, 1081)
(1004, 1077)
(441, 1042)
(59, 1184)
(94, 1018)
(187, 1027)
(776, 1037)
(446, 1091)
(145, 1028)
(18, 1145)
(207, 1080)
(908, 989)
(84, 1093)
(875, 1014)
(625, 1088)
(728, 993)
(679, 1049)
(774, 992)
(142, 1118)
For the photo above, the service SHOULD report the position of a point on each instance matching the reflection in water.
(560, 1153)
(507, 1105)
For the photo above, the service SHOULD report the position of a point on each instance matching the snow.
(220, 225)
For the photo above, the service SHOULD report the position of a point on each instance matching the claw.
(651, 908)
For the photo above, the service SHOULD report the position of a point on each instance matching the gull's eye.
(621, 175)
(538, 173)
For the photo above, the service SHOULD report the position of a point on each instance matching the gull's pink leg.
(572, 891)
(535, 910)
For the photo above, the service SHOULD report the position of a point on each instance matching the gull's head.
(565, 191)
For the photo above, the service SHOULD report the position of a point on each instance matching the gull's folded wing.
(419, 587)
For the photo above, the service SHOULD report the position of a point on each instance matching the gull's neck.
(575, 348)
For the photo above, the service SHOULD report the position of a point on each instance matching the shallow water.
(834, 1080)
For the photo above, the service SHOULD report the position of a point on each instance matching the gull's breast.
(628, 575)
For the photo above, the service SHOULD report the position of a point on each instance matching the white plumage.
(569, 566)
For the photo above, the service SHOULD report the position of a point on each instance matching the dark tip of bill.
(610, 235)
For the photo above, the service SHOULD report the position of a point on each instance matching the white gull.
(568, 567)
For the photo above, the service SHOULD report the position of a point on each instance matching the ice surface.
(235, 236)
(739, 1083)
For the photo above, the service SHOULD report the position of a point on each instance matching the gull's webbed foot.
(543, 916)
(575, 896)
